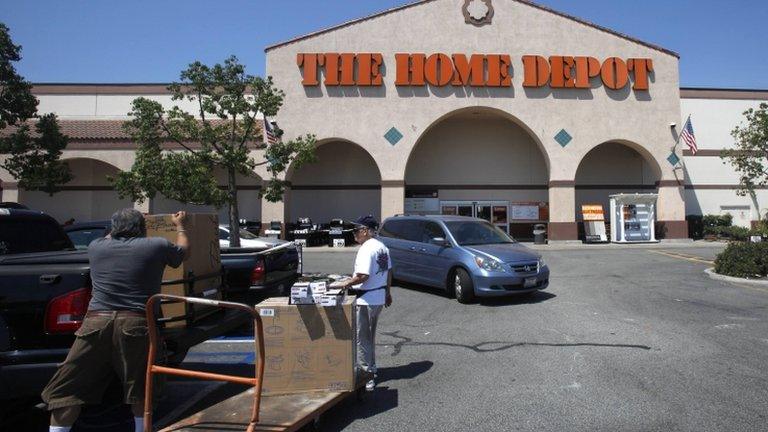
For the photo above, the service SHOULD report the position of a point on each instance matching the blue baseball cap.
(367, 221)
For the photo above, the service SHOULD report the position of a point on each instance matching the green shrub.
(717, 220)
(760, 229)
(736, 232)
(746, 260)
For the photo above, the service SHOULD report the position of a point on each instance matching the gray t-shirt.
(125, 272)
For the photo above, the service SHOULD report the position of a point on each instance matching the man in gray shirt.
(126, 269)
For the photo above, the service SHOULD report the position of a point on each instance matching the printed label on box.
(318, 287)
(267, 312)
(329, 301)
(299, 292)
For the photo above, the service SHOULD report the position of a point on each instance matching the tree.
(220, 134)
(33, 158)
(750, 156)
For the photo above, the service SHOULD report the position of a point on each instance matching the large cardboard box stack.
(205, 259)
(308, 347)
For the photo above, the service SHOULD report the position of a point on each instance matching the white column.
(562, 211)
(10, 192)
(392, 198)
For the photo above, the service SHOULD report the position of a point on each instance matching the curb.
(711, 273)
(578, 245)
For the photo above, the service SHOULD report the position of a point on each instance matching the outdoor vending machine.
(633, 218)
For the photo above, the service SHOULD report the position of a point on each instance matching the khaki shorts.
(106, 345)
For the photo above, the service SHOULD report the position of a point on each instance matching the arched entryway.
(612, 168)
(249, 203)
(344, 182)
(480, 162)
(87, 197)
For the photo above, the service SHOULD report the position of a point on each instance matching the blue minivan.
(468, 257)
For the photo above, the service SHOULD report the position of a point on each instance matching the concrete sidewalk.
(576, 245)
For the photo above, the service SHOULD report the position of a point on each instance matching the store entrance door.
(495, 212)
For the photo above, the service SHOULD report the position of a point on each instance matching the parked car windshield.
(244, 234)
(469, 233)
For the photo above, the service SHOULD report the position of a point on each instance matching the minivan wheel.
(463, 286)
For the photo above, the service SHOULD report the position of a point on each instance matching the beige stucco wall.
(101, 106)
(713, 120)
(591, 116)
(82, 205)
(476, 149)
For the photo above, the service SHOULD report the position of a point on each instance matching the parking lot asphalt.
(622, 340)
(627, 339)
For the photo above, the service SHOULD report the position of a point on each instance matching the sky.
(722, 43)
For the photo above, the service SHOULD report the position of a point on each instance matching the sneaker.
(370, 385)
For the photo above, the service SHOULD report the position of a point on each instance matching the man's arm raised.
(182, 240)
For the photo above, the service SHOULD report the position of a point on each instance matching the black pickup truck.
(262, 266)
(45, 290)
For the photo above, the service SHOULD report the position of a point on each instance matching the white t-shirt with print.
(373, 259)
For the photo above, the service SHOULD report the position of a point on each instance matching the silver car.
(468, 257)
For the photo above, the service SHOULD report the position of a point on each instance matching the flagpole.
(680, 134)
(677, 140)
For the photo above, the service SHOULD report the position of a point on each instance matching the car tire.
(462, 286)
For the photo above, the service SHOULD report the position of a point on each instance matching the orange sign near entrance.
(476, 70)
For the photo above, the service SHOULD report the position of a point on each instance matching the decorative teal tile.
(563, 138)
(393, 135)
(673, 159)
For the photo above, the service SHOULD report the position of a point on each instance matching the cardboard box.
(205, 259)
(308, 347)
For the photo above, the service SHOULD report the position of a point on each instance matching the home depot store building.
(500, 109)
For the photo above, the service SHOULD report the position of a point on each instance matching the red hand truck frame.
(153, 369)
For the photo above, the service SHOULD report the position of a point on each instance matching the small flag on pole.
(688, 136)
(270, 135)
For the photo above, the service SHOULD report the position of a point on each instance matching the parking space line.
(682, 256)
(198, 394)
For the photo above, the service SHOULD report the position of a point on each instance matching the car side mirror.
(440, 241)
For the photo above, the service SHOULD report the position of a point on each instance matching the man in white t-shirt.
(371, 282)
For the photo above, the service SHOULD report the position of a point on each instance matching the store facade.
(501, 114)
(498, 109)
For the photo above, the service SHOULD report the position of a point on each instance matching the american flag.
(688, 137)
(270, 136)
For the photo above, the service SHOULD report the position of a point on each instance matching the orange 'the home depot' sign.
(476, 70)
